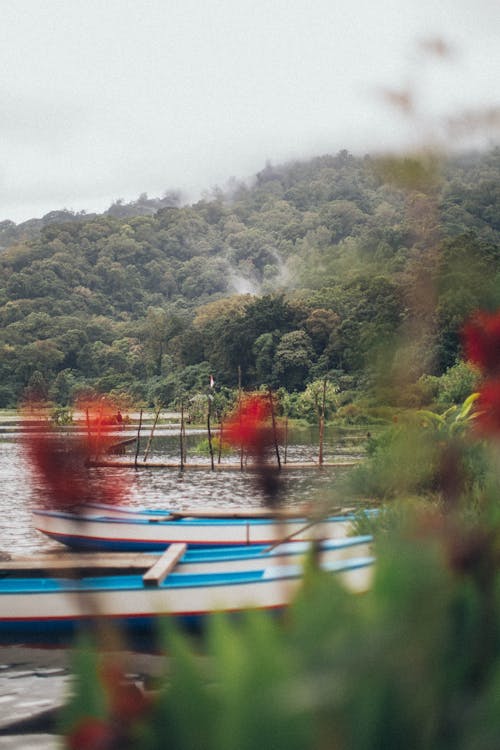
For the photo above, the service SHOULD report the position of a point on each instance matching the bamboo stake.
(275, 434)
(137, 446)
(181, 437)
(98, 445)
(239, 410)
(184, 440)
(210, 446)
(219, 454)
(150, 440)
(322, 424)
(89, 435)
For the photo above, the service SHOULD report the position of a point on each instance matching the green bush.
(203, 447)
(452, 387)
(413, 663)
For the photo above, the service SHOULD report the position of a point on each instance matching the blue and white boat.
(44, 606)
(153, 530)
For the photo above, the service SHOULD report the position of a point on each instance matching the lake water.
(20, 490)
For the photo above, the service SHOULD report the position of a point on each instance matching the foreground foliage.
(415, 662)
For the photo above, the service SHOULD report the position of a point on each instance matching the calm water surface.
(157, 488)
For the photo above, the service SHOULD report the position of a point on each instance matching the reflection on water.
(158, 488)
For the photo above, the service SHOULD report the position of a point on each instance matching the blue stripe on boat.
(121, 582)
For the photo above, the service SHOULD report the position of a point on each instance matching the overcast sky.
(106, 99)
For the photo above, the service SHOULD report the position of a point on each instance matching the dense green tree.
(202, 277)
(293, 360)
(63, 388)
(155, 331)
(371, 252)
(319, 400)
(264, 348)
(322, 327)
(37, 390)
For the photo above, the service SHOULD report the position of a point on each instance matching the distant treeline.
(361, 269)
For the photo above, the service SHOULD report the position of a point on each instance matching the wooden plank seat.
(156, 567)
(65, 563)
(164, 565)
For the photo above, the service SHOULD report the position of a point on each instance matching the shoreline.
(35, 682)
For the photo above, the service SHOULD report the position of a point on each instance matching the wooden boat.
(153, 531)
(187, 560)
(45, 607)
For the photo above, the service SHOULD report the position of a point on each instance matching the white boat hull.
(104, 533)
(61, 604)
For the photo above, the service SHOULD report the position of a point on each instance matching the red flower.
(481, 337)
(58, 463)
(488, 408)
(249, 426)
(127, 702)
(91, 734)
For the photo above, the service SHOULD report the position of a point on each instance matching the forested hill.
(313, 268)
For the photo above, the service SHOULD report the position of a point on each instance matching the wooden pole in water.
(210, 446)
(286, 439)
(184, 439)
(322, 424)
(221, 425)
(138, 439)
(89, 435)
(275, 434)
(182, 436)
(239, 411)
(150, 439)
(98, 445)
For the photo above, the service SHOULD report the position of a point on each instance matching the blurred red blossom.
(91, 734)
(58, 467)
(481, 336)
(126, 705)
(252, 428)
(127, 702)
(488, 408)
(59, 464)
(250, 425)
